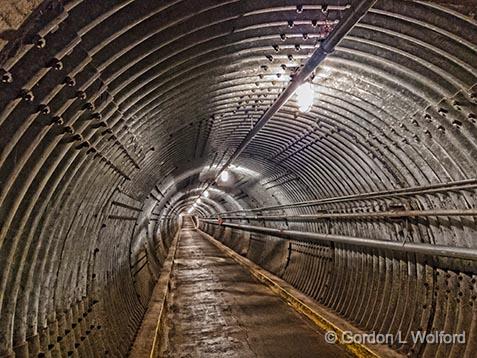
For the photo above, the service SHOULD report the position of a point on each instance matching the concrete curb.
(147, 341)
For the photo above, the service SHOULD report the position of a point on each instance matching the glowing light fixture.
(190, 210)
(224, 176)
(305, 96)
(206, 194)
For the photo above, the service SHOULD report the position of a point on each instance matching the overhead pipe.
(406, 247)
(369, 215)
(327, 46)
(468, 184)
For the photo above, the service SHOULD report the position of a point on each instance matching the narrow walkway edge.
(147, 340)
(306, 306)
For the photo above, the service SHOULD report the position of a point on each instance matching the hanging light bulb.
(190, 210)
(305, 96)
(206, 194)
(224, 176)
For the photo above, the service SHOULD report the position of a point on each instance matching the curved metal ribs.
(116, 115)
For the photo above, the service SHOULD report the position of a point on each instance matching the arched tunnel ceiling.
(103, 101)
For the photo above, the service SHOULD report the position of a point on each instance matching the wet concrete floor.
(218, 310)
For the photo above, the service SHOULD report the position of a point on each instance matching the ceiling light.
(305, 96)
(190, 210)
(224, 176)
(206, 194)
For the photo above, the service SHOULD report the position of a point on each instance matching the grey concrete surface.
(218, 310)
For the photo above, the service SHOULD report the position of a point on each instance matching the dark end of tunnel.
(332, 143)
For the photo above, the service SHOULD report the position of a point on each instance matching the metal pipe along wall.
(115, 115)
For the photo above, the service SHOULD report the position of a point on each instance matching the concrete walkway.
(217, 309)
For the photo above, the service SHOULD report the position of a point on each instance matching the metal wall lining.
(102, 97)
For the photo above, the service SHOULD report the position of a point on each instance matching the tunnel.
(170, 167)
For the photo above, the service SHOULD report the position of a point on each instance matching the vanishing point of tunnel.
(238, 178)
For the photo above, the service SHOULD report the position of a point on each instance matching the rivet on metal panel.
(57, 120)
(6, 76)
(69, 81)
(82, 145)
(96, 115)
(56, 64)
(44, 109)
(27, 95)
(68, 130)
(88, 106)
(443, 112)
(81, 94)
(456, 123)
(39, 41)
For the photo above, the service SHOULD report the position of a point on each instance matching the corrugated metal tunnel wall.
(114, 113)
